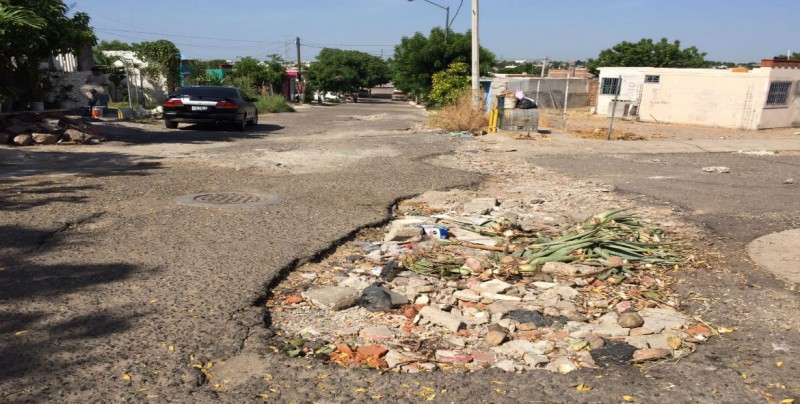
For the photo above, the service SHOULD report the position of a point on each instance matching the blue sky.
(727, 30)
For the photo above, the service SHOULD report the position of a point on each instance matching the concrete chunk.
(332, 297)
(441, 318)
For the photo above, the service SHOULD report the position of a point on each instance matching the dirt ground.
(584, 124)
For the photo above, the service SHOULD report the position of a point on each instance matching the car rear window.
(221, 92)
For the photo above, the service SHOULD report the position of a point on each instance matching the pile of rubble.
(494, 289)
(36, 129)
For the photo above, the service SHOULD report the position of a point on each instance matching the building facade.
(761, 98)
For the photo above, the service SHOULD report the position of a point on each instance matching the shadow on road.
(39, 331)
(194, 133)
(20, 162)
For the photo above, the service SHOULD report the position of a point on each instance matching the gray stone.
(594, 341)
(544, 346)
(398, 299)
(480, 206)
(495, 338)
(467, 296)
(501, 297)
(659, 319)
(562, 365)
(650, 354)
(44, 138)
(717, 170)
(23, 140)
(507, 365)
(395, 357)
(630, 320)
(355, 282)
(788, 181)
(473, 316)
(6, 138)
(423, 299)
(608, 327)
(501, 307)
(458, 342)
(517, 348)
(403, 234)
(566, 292)
(472, 237)
(492, 286)
(639, 341)
(534, 360)
(332, 297)
(378, 333)
(660, 341)
(76, 136)
(441, 318)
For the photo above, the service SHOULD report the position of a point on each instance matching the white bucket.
(510, 103)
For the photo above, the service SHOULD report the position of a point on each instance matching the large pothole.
(467, 292)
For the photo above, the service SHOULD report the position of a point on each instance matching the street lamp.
(446, 17)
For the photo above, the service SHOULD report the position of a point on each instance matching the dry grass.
(461, 116)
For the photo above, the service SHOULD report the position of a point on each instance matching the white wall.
(784, 116)
(153, 90)
(706, 97)
(630, 91)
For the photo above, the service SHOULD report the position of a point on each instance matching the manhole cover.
(229, 199)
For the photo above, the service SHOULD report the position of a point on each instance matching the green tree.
(163, 58)
(346, 70)
(647, 53)
(449, 85)
(115, 45)
(417, 58)
(33, 30)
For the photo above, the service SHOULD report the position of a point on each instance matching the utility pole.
(544, 65)
(476, 95)
(299, 85)
(614, 108)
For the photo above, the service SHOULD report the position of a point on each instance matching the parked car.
(398, 95)
(209, 104)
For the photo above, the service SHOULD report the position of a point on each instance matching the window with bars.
(779, 93)
(652, 79)
(610, 86)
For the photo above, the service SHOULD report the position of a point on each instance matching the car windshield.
(220, 92)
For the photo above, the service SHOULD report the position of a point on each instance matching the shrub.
(448, 85)
(460, 115)
(273, 103)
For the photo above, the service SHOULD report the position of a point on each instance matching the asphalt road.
(113, 291)
(750, 201)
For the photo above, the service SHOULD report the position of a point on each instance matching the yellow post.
(493, 120)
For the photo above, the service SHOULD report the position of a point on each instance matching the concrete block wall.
(551, 90)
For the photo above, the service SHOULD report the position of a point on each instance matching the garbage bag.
(526, 103)
(375, 298)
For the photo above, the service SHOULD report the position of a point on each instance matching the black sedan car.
(209, 104)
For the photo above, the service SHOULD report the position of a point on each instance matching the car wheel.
(239, 126)
(254, 121)
(171, 124)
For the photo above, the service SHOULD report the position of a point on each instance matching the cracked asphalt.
(113, 291)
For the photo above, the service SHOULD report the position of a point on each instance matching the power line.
(189, 36)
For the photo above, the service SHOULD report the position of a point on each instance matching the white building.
(762, 98)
